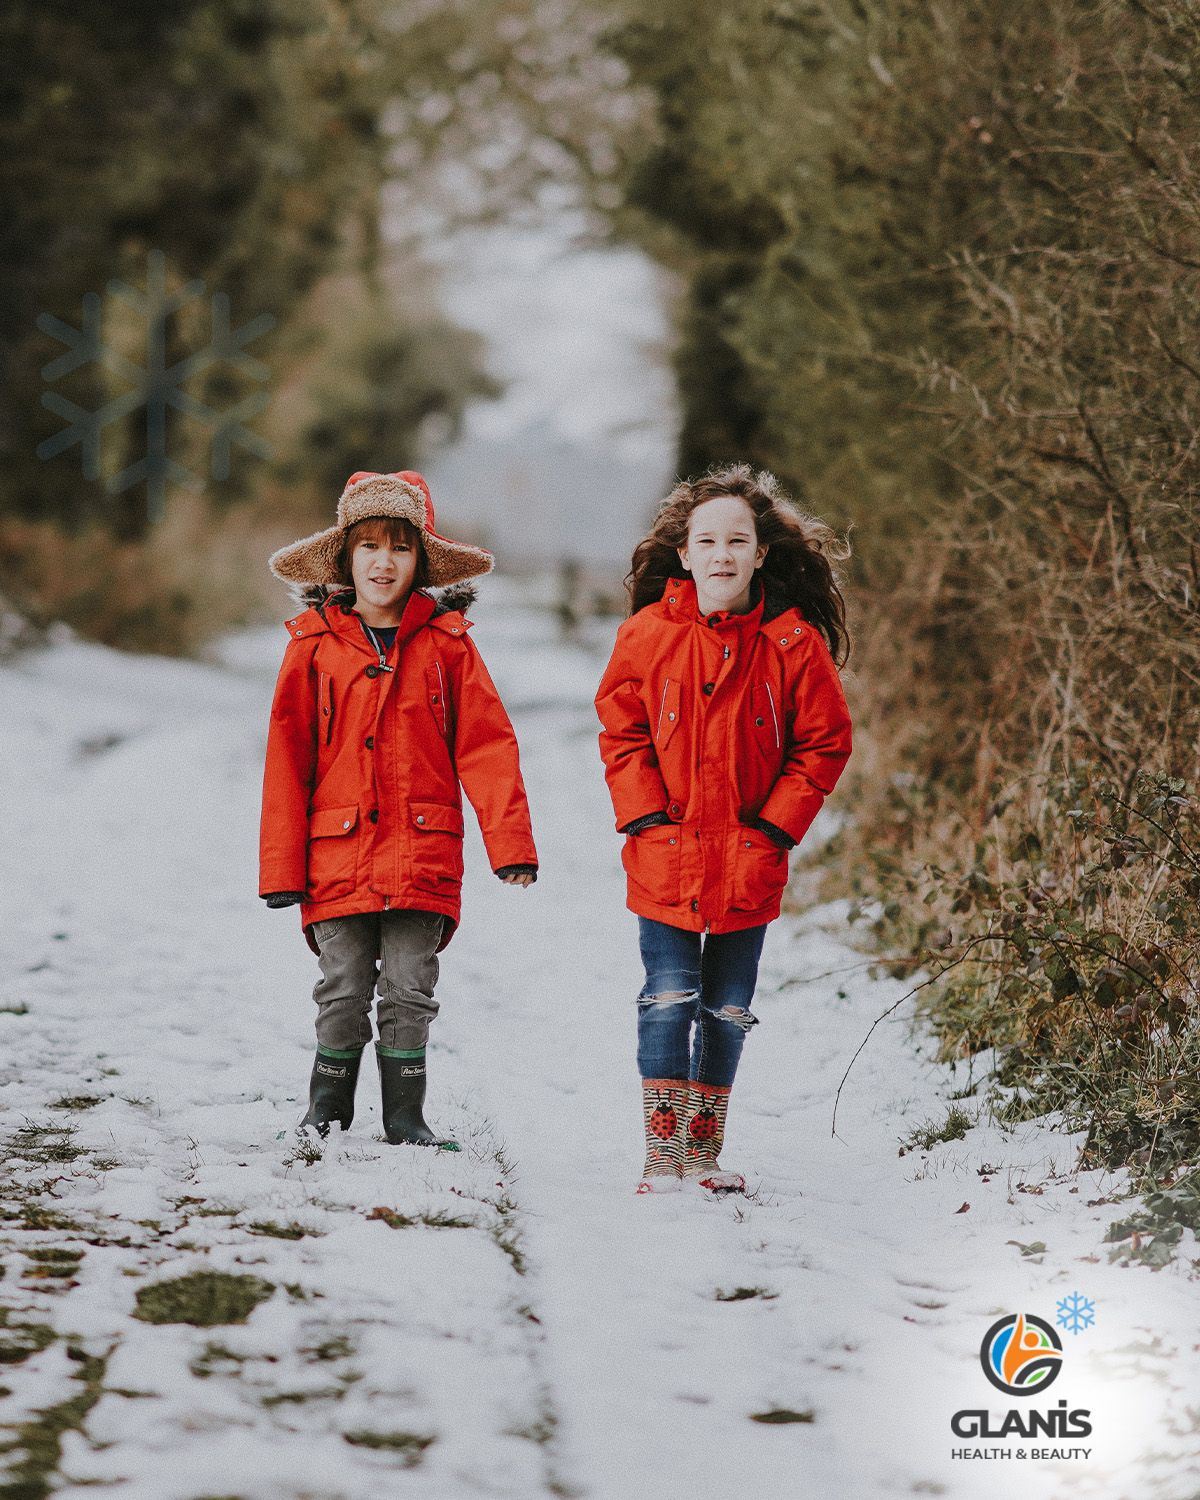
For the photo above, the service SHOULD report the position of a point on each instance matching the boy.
(382, 708)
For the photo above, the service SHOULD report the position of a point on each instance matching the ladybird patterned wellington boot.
(704, 1135)
(664, 1104)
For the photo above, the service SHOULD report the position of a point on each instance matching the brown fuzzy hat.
(368, 496)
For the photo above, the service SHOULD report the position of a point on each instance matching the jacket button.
(695, 906)
(372, 670)
(374, 815)
(675, 810)
(346, 824)
(783, 640)
(708, 687)
(420, 817)
(671, 717)
(370, 742)
(759, 722)
(714, 620)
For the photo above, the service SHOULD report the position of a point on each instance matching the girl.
(382, 708)
(724, 728)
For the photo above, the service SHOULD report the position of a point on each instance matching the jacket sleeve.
(488, 762)
(288, 774)
(818, 725)
(631, 767)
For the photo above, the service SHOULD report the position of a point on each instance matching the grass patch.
(953, 1128)
(35, 1216)
(77, 1101)
(20, 1340)
(204, 1299)
(336, 1348)
(434, 1218)
(507, 1236)
(277, 1231)
(781, 1414)
(44, 1144)
(305, 1152)
(39, 1439)
(20, 1009)
(299, 1398)
(744, 1294)
(410, 1445)
(1150, 1236)
(52, 1264)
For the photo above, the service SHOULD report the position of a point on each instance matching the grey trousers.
(394, 952)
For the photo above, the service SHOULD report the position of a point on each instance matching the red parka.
(361, 803)
(716, 720)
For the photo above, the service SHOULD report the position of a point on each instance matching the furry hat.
(368, 496)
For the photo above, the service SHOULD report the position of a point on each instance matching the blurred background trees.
(942, 265)
(938, 269)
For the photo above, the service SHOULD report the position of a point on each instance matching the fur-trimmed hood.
(459, 596)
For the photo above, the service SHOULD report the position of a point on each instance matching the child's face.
(382, 573)
(722, 552)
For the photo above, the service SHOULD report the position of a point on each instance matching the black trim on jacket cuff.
(277, 900)
(506, 870)
(776, 834)
(648, 820)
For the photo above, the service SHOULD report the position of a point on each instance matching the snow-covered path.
(512, 1320)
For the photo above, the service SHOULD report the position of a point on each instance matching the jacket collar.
(336, 614)
(782, 624)
(680, 603)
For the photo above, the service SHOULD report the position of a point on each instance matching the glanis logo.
(1021, 1354)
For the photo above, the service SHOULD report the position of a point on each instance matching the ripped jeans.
(694, 1010)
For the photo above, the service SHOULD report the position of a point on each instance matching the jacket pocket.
(766, 713)
(332, 852)
(651, 861)
(435, 693)
(436, 835)
(760, 870)
(667, 714)
(325, 707)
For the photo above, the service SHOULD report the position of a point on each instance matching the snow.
(577, 450)
(571, 1339)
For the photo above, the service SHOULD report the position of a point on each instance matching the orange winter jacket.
(361, 804)
(717, 720)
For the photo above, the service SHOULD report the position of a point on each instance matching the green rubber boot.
(331, 1090)
(402, 1086)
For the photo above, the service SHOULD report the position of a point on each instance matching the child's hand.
(521, 875)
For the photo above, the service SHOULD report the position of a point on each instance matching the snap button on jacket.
(717, 720)
(362, 808)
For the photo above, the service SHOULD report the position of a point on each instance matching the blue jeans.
(694, 1010)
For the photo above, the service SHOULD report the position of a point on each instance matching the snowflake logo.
(156, 386)
(1075, 1313)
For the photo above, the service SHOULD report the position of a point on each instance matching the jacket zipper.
(374, 640)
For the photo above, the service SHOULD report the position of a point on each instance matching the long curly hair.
(798, 570)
